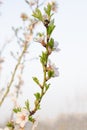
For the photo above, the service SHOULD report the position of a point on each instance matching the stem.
(42, 93)
(44, 81)
(13, 75)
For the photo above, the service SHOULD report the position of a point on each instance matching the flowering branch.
(49, 69)
(25, 114)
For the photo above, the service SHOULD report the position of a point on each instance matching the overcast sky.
(68, 92)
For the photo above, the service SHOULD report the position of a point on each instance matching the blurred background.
(66, 100)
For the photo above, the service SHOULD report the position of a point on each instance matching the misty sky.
(68, 92)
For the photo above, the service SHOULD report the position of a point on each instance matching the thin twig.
(13, 75)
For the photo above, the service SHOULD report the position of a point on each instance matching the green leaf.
(10, 125)
(40, 34)
(47, 86)
(37, 95)
(37, 14)
(48, 9)
(43, 58)
(50, 28)
(16, 110)
(51, 43)
(36, 80)
(27, 105)
(31, 119)
(50, 73)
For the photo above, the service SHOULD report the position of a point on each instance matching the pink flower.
(22, 118)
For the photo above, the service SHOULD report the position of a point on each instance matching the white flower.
(24, 16)
(6, 128)
(40, 38)
(55, 47)
(22, 118)
(54, 6)
(54, 68)
(45, 16)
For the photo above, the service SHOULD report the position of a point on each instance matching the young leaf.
(36, 80)
(50, 73)
(16, 110)
(27, 105)
(10, 125)
(43, 58)
(50, 28)
(37, 95)
(31, 119)
(37, 14)
(47, 86)
(48, 10)
(51, 43)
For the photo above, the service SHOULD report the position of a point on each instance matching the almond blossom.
(22, 117)
(54, 6)
(55, 47)
(24, 16)
(41, 39)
